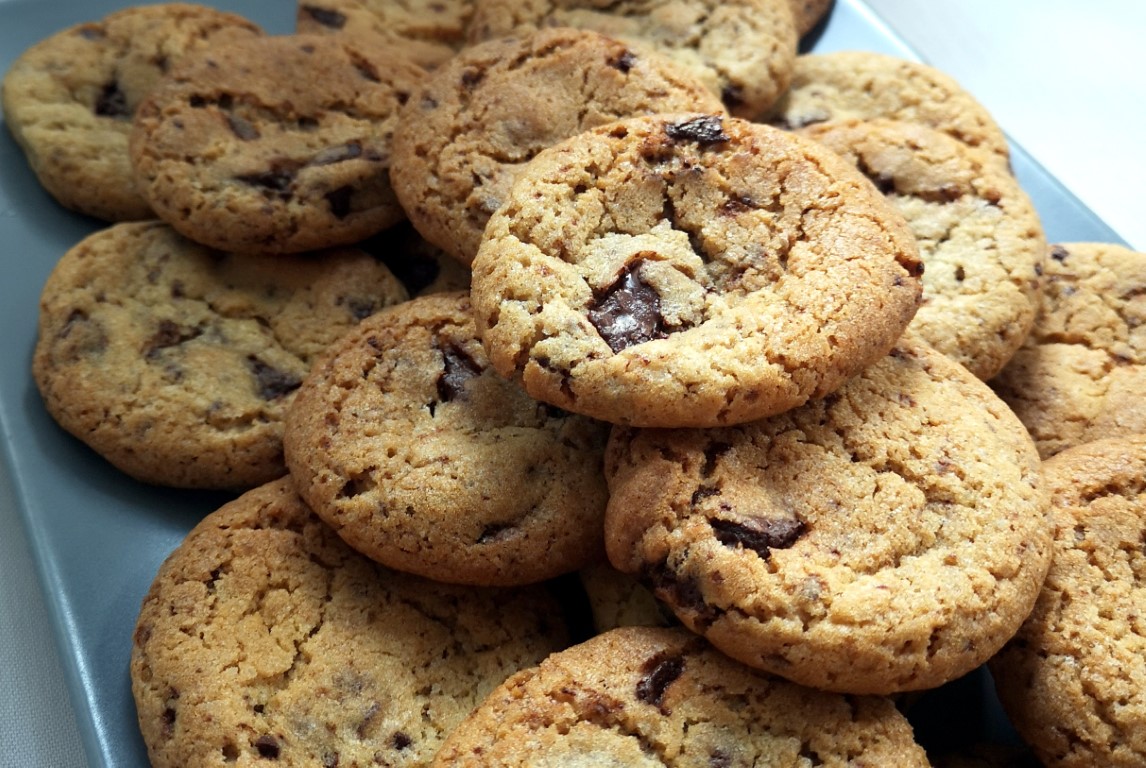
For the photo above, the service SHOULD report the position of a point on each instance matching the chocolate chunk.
(660, 673)
(705, 130)
(629, 313)
(732, 96)
(400, 740)
(112, 102)
(471, 77)
(268, 747)
(339, 201)
(274, 180)
(349, 151)
(361, 308)
(1058, 253)
(681, 592)
(624, 62)
(325, 16)
(458, 368)
(884, 183)
(272, 383)
(760, 534)
(243, 130)
(169, 334)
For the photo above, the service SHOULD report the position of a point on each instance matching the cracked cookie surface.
(422, 457)
(865, 85)
(647, 697)
(1081, 373)
(69, 100)
(238, 152)
(265, 640)
(979, 237)
(742, 50)
(691, 270)
(1073, 680)
(176, 362)
(889, 537)
(464, 135)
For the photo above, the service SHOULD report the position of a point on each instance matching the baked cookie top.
(743, 50)
(237, 151)
(980, 238)
(1081, 374)
(1073, 680)
(265, 639)
(69, 99)
(646, 697)
(691, 270)
(865, 84)
(422, 457)
(176, 362)
(888, 537)
(432, 30)
(473, 124)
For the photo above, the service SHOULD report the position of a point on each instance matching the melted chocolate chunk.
(760, 534)
(705, 130)
(681, 592)
(272, 383)
(1058, 253)
(660, 673)
(624, 62)
(629, 313)
(471, 77)
(459, 368)
(361, 308)
(339, 201)
(349, 151)
(400, 740)
(268, 747)
(325, 16)
(274, 180)
(112, 102)
(169, 334)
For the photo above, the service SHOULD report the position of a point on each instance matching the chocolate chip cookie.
(1081, 374)
(265, 640)
(980, 238)
(69, 99)
(1073, 680)
(742, 50)
(176, 362)
(691, 270)
(647, 697)
(888, 537)
(237, 151)
(422, 457)
(864, 84)
(475, 122)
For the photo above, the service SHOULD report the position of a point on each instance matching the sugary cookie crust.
(889, 537)
(690, 270)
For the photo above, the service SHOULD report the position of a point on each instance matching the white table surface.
(1066, 80)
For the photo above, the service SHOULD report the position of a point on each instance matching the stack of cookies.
(468, 302)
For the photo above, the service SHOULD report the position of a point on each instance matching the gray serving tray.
(98, 538)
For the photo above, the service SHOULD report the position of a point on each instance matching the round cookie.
(432, 30)
(241, 151)
(645, 697)
(691, 270)
(865, 85)
(176, 362)
(1081, 374)
(69, 100)
(980, 238)
(264, 639)
(406, 441)
(464, 135)
(1073, 680)
(889, 537)
(743, 50)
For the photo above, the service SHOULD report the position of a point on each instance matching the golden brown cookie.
(645, 697)
(69, 99)
(691, 270)
(464, 135)
(980, 238)
(407, 442)
(1073, 680)
(865, 84)
(237, 151)
(1081, 374)
(176, 362)
(888, 537)
(742, 50)
(265, 640)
